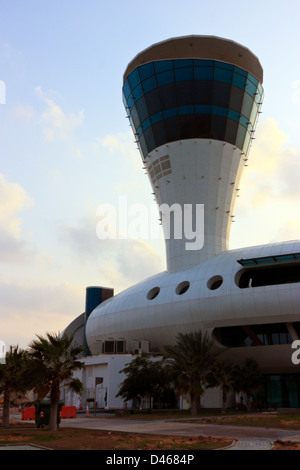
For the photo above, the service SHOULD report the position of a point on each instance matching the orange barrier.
(28, 413)
(68, 412)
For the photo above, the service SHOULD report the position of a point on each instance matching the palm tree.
(223, 375)
(144, 378)
(189, 361)
(248, 379)
(11, 378)
(52, 362)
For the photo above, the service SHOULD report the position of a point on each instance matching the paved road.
(246, 437)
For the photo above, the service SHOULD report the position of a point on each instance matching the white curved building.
(230, 295)
(193, 104)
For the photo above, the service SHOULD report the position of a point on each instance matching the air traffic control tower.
(193, 103)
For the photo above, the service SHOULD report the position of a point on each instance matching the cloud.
(13, 250)
(271, 165)
(23, 113)
(57, 123)
(27, 310)
(268, 207)
(81, 237)
(120, 262)
(296, 91)
(122, 144)
(14, 199)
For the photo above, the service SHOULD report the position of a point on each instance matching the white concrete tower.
(193, 104)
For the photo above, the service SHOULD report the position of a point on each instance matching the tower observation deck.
(193, 104)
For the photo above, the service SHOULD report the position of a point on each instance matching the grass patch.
(68, 438)
(145, 415)
(276, 420)
(88, 439)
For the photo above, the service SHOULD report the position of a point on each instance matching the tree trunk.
(5, 415)
(54, 397)
(194, 404)
(224, 399)
(199, 404)
(249, 403)
(53, 417)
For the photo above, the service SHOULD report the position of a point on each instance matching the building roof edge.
(199, 47)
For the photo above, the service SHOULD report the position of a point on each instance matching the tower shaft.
(193, 104)
(205, 176)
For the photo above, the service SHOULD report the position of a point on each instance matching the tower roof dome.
(200, 47)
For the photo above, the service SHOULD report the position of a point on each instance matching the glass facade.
(270, 259)
(254, 335)
(171, 100)
(271, 276)
(279, 391)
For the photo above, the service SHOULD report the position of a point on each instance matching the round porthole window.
(215, 282)
(153, 293)
(182, 287)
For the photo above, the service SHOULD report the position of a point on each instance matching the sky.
(66, 147)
